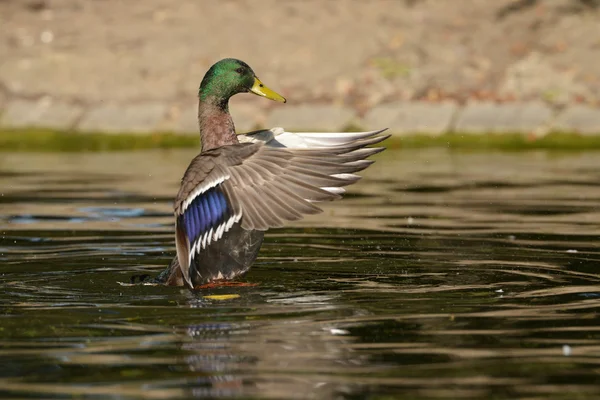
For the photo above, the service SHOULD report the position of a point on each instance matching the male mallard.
(241, 185)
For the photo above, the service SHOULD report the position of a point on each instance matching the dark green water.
(441, 275)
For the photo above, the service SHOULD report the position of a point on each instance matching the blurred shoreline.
(416, 67)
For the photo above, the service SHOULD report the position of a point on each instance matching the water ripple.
(441, 275)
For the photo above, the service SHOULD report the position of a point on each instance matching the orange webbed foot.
(220, 284)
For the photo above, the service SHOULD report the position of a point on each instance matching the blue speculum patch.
(206, 211)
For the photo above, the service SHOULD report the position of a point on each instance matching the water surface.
(441, 275)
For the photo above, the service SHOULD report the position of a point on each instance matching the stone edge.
(477, 117)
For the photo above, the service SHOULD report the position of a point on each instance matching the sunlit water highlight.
(441, 275)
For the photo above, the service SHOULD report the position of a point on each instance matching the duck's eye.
(239, 70)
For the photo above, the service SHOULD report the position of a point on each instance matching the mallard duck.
(241, 185)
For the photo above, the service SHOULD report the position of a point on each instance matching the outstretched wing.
(262, 186)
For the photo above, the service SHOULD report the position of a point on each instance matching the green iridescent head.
(229, 77)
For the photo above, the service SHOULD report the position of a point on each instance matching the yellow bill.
(261, 90)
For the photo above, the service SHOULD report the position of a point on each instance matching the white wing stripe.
(201, 189)
(214, 234)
